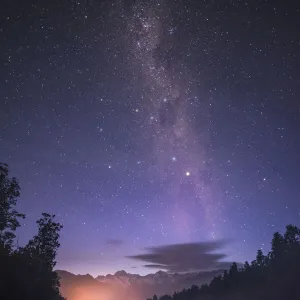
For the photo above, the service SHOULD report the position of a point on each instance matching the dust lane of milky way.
(151, 123)
(179, 154)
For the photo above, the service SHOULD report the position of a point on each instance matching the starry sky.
(149, 123)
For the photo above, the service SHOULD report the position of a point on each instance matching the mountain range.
(126, 286)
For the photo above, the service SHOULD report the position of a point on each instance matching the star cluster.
(147, 123)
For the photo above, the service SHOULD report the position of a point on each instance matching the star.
(163, 113)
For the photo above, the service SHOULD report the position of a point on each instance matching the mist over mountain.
(123, 285)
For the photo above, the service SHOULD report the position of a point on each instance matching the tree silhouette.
(45, 244)
(26, 273)
(9, 217)
(40, 253)
(273, 276)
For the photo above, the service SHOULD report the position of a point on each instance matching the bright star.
(187, 173)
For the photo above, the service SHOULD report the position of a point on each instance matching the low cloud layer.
(185, 257)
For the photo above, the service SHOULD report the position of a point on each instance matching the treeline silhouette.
(275, 275)
(26, 273)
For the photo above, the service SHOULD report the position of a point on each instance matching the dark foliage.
(272, 276)
(9, 217)
(26, 272)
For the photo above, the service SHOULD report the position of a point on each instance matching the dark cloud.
(185, 257)
(114, 242)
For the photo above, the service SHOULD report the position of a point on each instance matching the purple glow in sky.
(148, 123)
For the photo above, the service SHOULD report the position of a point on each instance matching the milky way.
(180, 154)
(142, 124)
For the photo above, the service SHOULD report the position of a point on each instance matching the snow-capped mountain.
(123, 285)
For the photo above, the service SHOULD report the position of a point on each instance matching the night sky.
(150, 122)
